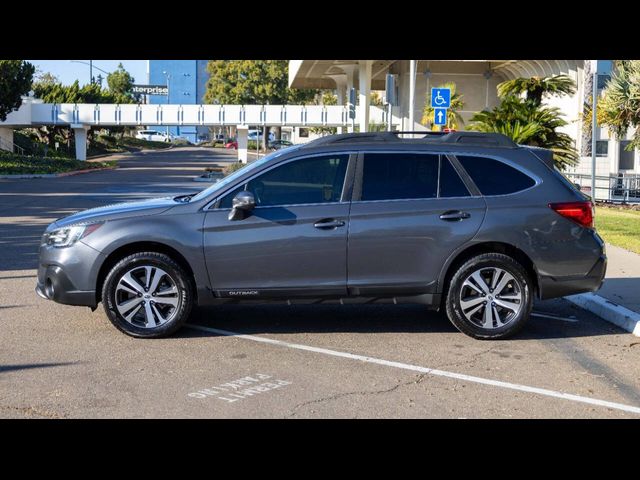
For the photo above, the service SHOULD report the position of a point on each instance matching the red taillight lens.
(579, 212)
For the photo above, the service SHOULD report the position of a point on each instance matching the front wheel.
(147, 295)
(490, 297)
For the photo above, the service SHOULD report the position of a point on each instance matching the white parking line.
(429, 371)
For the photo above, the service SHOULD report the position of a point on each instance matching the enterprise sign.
(151, 89)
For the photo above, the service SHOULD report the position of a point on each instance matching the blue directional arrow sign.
(440, 115)
(440, 97)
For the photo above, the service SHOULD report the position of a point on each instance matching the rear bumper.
(553, 287)
(57, 286)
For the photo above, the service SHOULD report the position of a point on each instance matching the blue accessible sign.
(440, 116)
(440, 97)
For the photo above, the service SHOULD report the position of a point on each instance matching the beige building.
(476, 80)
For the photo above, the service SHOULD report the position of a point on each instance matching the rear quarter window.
(493, 177)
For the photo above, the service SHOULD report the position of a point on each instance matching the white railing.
(210, 115)
(171, 114)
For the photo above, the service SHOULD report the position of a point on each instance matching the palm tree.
(453, 117)
(536, 88)
(527, 123)
(619, 108)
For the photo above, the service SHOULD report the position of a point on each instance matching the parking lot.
(272, 361)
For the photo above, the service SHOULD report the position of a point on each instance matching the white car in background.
(154, 136)
(254, 135)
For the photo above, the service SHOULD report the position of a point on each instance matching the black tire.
(173, 269)
(488, 261)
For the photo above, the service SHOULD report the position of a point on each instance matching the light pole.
(594, 126)
(168, 75)
(91, 67)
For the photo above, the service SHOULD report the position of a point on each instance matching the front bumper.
(69, 275)
(57, 286)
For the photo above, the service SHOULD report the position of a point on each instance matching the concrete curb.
(609, 311)
(55, 175)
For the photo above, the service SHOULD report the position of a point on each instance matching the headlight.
(67, 236)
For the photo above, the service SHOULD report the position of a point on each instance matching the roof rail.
(428, 137)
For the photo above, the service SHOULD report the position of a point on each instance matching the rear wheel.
(490, 297)
(147, 295)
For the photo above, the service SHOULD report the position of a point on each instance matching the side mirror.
(242, 203)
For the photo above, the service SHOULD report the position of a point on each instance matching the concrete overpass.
(81, 117)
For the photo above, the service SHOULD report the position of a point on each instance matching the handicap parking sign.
(440, 97)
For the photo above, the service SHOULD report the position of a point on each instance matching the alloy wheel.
(147, 297)
(491, 298)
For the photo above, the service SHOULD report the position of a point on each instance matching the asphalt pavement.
(279, 361)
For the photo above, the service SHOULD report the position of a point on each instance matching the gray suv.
(469, 223)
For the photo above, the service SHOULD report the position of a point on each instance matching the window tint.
(309, 180)
(227, 200)
(388, 176)
(494, 177)
(451, 184)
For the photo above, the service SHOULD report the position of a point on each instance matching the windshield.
(238, 173)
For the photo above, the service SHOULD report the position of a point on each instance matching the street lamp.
(168, 75)
(91, 67)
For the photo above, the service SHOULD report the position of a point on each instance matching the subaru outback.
(468, 223)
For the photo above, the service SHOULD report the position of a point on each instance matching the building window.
(627, 159)
(602, 148)
(303, 132)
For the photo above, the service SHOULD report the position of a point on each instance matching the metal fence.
(615, 187)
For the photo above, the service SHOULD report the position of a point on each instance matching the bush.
(12, 164)
(233, 167)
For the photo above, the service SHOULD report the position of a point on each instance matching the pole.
(168, 92)
(389, 117)
(594, 125)
(412, 93)
(90, 72)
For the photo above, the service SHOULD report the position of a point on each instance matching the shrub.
(233, 167)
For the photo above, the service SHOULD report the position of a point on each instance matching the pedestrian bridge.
(80, 117)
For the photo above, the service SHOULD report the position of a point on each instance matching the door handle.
(329, 223)
(454, 215)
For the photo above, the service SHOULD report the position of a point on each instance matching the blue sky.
(68, 71)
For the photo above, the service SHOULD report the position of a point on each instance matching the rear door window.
(396, 176)
(404, 176)
(493, 177)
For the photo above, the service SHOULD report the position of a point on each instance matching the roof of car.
(461, 138)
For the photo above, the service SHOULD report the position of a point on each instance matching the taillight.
(579, 212)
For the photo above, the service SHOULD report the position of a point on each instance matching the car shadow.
(381, 318)
(31, 366)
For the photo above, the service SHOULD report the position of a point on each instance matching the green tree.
(527, 123)
(376, 99)
(536, 88)
(454, 119)
(74, 93)
(15, 81)
(253, 82)
(120, 84)
(45, 77)
(619, 108)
